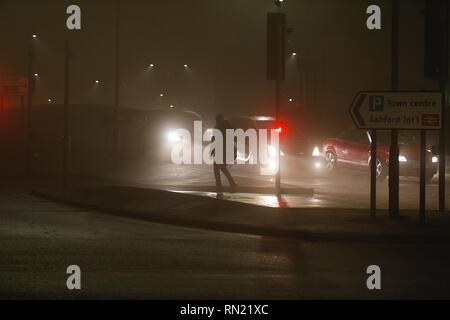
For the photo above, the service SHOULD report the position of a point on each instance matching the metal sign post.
(373, 174)
(66, 142)
(436, 67)
(422, 193)
(394, 110)
(31, 85)
(394, 183)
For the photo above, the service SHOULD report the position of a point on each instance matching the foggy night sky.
(224, 43)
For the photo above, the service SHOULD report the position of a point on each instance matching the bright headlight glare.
(273, 165)
(271, 150)
(173, 137)
(316, 152)
(402, 159)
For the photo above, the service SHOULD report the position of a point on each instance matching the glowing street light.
(49, 100)
(36, 75)
(34, 36)
(97, 81)
(290, 99)
(186, 66)
(294, 53)
(151, 65)
(171, 106)
(161, 94)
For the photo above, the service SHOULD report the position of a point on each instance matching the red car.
(352, 149)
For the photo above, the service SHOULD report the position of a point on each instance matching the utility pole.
(394, 149)
(436, 67)
(443, 87)
(66, 136)
(31, 85)
(276, 38)
(281, 43)
(116, 133)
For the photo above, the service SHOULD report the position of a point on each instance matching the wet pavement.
(122, 258)
(345, 188)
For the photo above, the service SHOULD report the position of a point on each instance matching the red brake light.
(280, 129)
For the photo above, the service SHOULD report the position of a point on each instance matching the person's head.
(220, 119)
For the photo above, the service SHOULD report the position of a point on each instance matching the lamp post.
(279, 75)
(116, 133)
(31, 85)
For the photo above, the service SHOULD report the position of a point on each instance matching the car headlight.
(402, 159)
(316, 152)
(173, 137)
(434, 159)
(273, 165)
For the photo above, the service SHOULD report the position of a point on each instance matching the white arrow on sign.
(398, 110)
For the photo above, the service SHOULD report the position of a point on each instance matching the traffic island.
(311, 224)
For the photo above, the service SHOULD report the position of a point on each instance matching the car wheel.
(330, 161)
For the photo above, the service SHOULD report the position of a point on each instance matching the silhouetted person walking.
(222, 125)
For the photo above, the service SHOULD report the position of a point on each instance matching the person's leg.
(217, 177)
(228, 175)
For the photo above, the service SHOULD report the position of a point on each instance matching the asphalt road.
(346, 188)
(124, 258)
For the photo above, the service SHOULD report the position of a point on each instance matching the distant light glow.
(273, 165)
(173, 137)
(49, 100)
(271, 150)
(290, 100)
(263, 118)
(151, 65)
(171, 106)
(434, 159)
(294, 53)
(36, 75)
(186, 66)
(97, 81)
(402, 159)
(161, 94)
(316, 152)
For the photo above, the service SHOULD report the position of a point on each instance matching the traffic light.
(436, 42)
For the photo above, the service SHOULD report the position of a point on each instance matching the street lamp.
(151, 65)
(36, 75)
(97, 81)
(34, 36)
